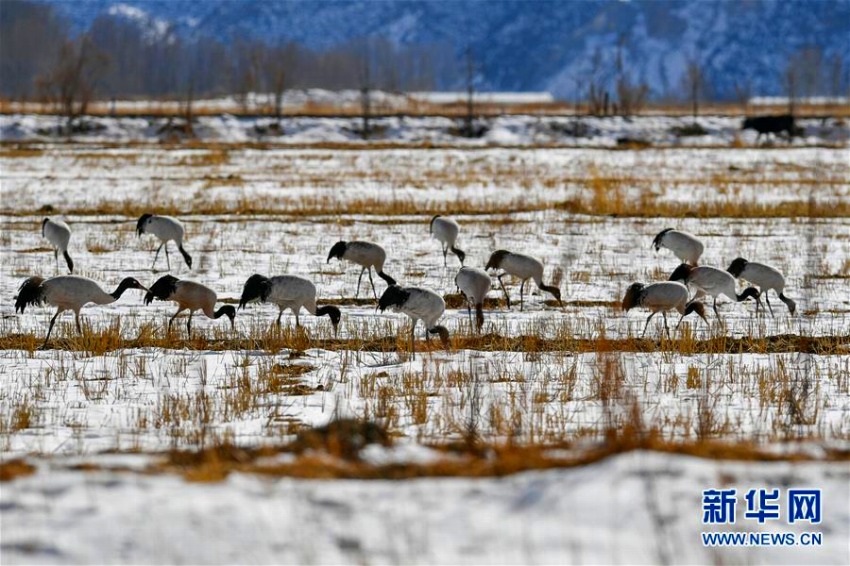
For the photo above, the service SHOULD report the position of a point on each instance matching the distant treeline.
(116, 57)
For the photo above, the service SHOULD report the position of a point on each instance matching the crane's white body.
(664, 296)
(58, 233)
(293, 292)
(523, 267)
(714, 282)
(365, 254)
(68, 292)
(474, 283)
(422, 304)
(165, 228)
(661, 297)
(764, 277)
(446, 230)
(193, 296)
(685, 246)
(72, 293)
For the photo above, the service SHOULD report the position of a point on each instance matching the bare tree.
(597, 95)
(279, 70)
(366, 89)
(743, 93)
(631, 96)
(73, 79)
(694, 84)
(470, 94)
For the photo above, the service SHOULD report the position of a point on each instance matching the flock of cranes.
(71, 292)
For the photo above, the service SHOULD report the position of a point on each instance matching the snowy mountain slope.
(542, 45)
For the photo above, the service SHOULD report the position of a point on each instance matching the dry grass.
(109, 340)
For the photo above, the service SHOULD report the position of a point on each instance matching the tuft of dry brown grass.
(13, 469)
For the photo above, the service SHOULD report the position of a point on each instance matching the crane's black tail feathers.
(162, 289)
(30, 292)
(387, 278)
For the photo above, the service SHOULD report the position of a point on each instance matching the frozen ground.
(637, 508)
(500, 131)
(279, 211)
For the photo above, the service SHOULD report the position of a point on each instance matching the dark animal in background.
(772, 125)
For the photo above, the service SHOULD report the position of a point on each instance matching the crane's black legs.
(279, 314)
(767, 300)
(647, 324)
(505, 291)
(359, 279)
(521, 289)
(77, 319)
(374, 292)
(170, 320)
(667, 328)
(156, 255)
(167, 261)
(412, 340)
(189, 323)
(50, 328)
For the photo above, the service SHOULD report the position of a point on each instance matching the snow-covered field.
(279, 211)
(499, 131)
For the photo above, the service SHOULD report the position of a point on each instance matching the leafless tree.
(694, 84)
(743, 93)
(470, 94)
(631, 95)
(72, 81)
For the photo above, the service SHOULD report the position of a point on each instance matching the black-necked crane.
(191, 296)
(365, 254)
(166, 229)
(68, 293)
(418, 304)
(474, 284)
(686, 247)
(714, 282)
(523, 267)
(445, 230)
(764, 277)
(662, 297)
(287, 292)
(58, 234)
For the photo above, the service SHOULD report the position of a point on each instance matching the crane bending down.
(686, 247)
(287, 291)
(365, 254)
(524, 267)
(765, 278)
(68, 293)
(446, 230)
(418, 304)
(714, 282)
(474, 284)
(58, 234)
(166, 229)
(662, 297)
(190, 296)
